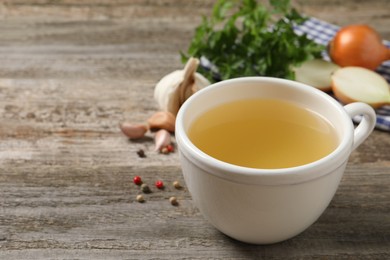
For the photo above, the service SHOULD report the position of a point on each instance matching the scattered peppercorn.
(164, 150)
(170, 148)
(159, 185)
(177, 185)
(141, 153)
(137, 180)
(140, 198)
(167, 149)
(173, 201)
(145, 188)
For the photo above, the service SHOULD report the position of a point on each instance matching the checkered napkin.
(322, 32)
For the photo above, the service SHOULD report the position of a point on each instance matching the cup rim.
(242, 174)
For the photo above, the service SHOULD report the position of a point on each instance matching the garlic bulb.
(173, 89)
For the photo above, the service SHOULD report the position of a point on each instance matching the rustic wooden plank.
(342, 13)
(83, 200)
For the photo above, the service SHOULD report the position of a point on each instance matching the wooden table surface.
(70, 71)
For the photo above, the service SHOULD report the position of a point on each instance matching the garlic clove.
(133, 131)
(173, 89)
(200, 82)
(162, 120)
(185, 88)
(162, 138)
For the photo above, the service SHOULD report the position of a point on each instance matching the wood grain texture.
(70, 71)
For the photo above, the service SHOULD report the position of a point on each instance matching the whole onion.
(358, 45)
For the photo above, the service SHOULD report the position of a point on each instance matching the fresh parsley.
(246, 38)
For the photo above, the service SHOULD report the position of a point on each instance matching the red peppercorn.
(170, 148)
(159, 184)
(137, 180)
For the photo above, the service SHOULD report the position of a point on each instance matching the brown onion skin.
(358, 45)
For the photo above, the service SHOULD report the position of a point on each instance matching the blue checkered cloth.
(322, 32)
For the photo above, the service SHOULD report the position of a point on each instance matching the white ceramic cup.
(263, 206)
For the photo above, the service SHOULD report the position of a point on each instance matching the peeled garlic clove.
(173, 89)
(162, 120)
(316, 73)
(351, 84)
(133, 131)
(162, 138)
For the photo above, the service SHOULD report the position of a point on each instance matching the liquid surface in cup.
(263, 133)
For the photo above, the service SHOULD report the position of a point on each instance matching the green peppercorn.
(145, 188)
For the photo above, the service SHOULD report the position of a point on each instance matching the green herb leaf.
(245, 38)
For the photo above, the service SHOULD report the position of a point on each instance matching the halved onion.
(316, 73)
(351, 84)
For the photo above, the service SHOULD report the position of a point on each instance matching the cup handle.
(366, 125)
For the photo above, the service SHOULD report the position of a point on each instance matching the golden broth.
(263, 133)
